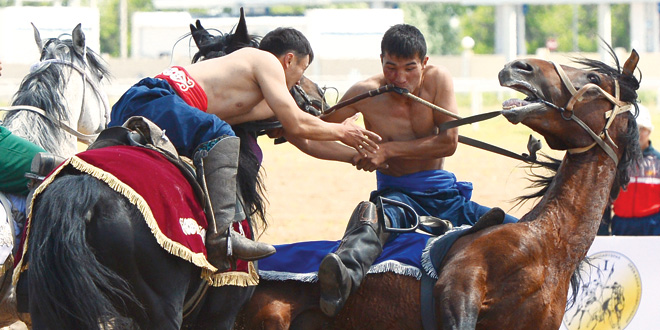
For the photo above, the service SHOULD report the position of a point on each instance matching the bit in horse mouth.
(528, 103)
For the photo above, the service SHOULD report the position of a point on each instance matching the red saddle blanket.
(166, 200)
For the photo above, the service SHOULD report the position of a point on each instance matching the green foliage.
(435, 21)
(621, 26)
(541, 22)
(109, 11)
(479, 24)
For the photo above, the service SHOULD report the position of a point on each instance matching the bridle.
(86, 138)
(568, 113)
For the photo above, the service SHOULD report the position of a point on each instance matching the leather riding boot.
(342, 272)
(217, 164)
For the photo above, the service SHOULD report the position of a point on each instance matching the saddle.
(140, 132)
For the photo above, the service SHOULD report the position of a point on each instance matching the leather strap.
(496, 149)
(427, 303)
(468, 120)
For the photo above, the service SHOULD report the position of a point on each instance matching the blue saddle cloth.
(408, 254)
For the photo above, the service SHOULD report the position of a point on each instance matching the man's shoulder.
(437, 71)
(368, 84)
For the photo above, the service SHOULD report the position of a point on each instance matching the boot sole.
(330, 280)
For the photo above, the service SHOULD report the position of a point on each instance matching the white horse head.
(67, 86)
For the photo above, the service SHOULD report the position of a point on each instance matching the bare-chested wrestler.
(196, 105)
(409, 161)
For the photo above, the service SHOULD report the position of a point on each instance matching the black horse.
(94, 262)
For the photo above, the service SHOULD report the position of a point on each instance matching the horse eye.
(593, 78)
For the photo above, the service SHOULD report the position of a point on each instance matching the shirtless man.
(409, 160)
(196, 105)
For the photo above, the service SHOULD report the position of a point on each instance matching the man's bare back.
(231, 83)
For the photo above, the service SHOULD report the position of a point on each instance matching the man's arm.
(297, 123)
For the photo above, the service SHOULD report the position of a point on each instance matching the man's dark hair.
(403, 40)
(284, 40)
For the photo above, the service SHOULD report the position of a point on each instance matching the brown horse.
(511, 276)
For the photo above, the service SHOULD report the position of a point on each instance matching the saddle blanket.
(408, 254)
(166, 200)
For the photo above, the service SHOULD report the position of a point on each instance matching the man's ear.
(288, 59)
(426, 59)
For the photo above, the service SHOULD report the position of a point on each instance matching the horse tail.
(69, 287)
(249, 177)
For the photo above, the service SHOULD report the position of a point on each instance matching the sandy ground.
(311, 199)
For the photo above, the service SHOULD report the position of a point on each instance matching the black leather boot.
(342, 272)
(217, 164)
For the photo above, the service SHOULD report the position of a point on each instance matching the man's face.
(403, 72)
(294, 68)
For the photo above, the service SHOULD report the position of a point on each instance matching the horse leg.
(221, 307)
(158, 278)
(459, 298)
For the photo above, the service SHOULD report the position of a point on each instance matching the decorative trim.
(209, 272)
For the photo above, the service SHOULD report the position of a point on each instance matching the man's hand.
(362, 140)
(372, 161)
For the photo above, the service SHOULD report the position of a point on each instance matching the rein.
(531, 158)
(85, 138)
(603, 138)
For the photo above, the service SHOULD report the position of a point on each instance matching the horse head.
(211, 46)
(309, 97)
(66, 85)
(577, 109)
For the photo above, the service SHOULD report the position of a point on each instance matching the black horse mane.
(44, 86)
(628, 85)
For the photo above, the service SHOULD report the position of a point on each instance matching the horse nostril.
(522, 66)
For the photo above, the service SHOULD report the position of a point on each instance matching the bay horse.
(509, 276)
(60, 101)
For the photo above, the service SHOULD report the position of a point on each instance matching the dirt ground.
(311, 199)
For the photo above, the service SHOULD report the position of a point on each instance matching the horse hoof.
(335, 284)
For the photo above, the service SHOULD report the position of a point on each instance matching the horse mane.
(628, 85)
(43, 88)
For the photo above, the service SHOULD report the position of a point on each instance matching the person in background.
(637, 208)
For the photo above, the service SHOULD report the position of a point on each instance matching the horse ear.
(37, 37)
(631, 63)
(78, 38)
(200, 35)
(241, 34)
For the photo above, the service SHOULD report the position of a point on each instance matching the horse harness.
(86, 138)
(603, 138)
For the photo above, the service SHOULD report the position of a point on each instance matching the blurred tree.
(440, 24)
(479, 24)
(109, 12)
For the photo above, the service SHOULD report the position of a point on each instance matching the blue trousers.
(644, 226)
(448, 204)
(186, 126)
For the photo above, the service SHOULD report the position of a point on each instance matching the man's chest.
(399, 119)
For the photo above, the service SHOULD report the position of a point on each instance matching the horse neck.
(93, 110)
(571, 210)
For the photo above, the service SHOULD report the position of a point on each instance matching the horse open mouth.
(515, 110)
